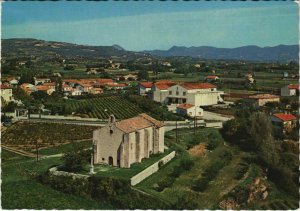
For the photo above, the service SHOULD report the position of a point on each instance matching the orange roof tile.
(185, 106)
(198, 85)
(285, 117)
(146, 84)
(3, 86)
(137, 123)
(212, 77)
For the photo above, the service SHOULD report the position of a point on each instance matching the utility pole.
(176, 135)
(37, 149)
(92, 159)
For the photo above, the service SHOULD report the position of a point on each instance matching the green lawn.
(20, 189)
(109, 171)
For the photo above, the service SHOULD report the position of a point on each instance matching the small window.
(170, 92)
(131, 146)
(212, 89)
(177, 93)
(184, 93)
(103, 159)
(111, 131)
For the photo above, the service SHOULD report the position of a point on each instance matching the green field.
(104, 106)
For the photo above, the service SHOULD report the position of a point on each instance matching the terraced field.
(102, 107)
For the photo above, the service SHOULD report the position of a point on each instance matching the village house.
(128, 77)
(6, 93)
(189, 110)
(262, 99)
(289, 90)
(96, 91)
(145, 87)
(28, 88)
(285, 121)
(198, 94)
(48, 89)
(115, 86)
(212, 78)
(122, 143)
(160, 90)
(41, 80)
(12, 81)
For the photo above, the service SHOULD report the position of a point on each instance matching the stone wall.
(53, 171)
(151, 169)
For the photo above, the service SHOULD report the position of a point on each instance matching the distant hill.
(40, 48)
(251, 53)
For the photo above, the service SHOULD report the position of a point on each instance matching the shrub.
(212, 144)
(186, 163)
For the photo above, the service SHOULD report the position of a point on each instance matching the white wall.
(151, 169)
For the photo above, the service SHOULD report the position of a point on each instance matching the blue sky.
(148, 25)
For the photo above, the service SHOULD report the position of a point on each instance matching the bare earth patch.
(198, 150)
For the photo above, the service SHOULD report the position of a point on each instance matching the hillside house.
(115, 86)
(122, 143)
(285, 121)
(289, 90)
(262, 99)
(189, 110)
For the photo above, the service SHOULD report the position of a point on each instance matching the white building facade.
(198, 94)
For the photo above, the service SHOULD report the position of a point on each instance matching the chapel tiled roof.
(137, 123)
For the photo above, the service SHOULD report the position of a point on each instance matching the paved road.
(214, 116)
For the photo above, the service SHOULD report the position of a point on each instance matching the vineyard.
(102, 107)
(23, 135)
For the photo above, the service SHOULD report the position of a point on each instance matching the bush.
(212, 144)
(186, 163)
(165, 183)
(201, 184)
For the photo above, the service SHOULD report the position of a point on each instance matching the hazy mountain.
(251, 52)
(40, 48)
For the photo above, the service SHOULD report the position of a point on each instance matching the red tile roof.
(198, 86)
(146, 84)
(285, 117)
(3, 86)
(185, 106)
(293, 86)
(212, 77)
(164, 84)
(137, 123)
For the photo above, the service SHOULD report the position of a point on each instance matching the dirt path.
(20, 152)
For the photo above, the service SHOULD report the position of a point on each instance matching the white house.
(189, 110)
(6, 93)
(122, 143)
(285, 121)
(198, 94)
(289, 90)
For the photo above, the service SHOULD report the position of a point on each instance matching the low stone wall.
(151, 169)
(53, 171)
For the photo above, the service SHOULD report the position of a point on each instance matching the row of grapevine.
(102, 107)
